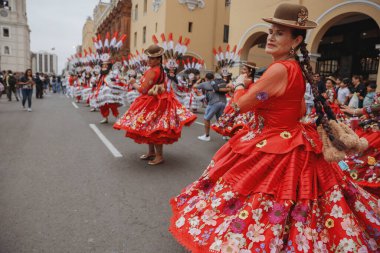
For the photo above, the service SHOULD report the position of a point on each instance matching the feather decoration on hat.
(114, 39)
(193, 66)
(227, 58)
(173, 52)
(155, 40)
(107, 49)
(107, 43)
(164, 43)
(178, 47)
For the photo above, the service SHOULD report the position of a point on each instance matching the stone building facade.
(88, 32)
(204, 22)
(14, 37)
(116, 18)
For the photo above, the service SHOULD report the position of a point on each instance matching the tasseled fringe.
(156, 89)
(343, 134)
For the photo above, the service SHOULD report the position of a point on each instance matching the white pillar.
(313, 60)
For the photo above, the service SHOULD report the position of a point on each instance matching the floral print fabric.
(210, 217)
(155, 119)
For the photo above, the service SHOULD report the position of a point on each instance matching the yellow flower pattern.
(286, 135)
(261, 144)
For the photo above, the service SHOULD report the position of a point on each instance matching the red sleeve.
(147, 81)
(272, 84)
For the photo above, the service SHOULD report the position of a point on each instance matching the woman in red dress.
(155, 117)
(270, 189)
(365, 167)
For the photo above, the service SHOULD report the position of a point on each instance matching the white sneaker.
(204, 138)
(29, 109)
(104, 121)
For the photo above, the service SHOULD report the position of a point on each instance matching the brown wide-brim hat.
(251, 65)
(292, 15)
(154, 51)
(331, 78)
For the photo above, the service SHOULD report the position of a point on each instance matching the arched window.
(7, 50)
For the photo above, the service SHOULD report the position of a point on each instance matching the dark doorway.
(349, 48)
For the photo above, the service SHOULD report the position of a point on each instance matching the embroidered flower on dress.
(209, 217)
(277, 214)
(261, 144)
(216, 202)
(237, 225)
(180, 222)
(255, 233)
(275, 245)
(201, 205)
(320, 247)
(249, 136)
(286, 135)
(336, 212)
(228, 195)
(243, 214)
(329, 223)
(257, 214)
(350, 227)
(194, 221)
(232, 206)
(354, 174)
(206, 185)
(300, 212)
(194, 231)
(363, 249)
(371, 160)
(336, 196)
(346, 245)
(276, 229)
(262, 95)
(302, 243)
(359, 207)
(217, 245)
(230, 246)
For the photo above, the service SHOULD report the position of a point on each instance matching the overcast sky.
(58, 24)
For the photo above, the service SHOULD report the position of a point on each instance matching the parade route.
(62, 190)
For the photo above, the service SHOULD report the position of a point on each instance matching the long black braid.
(323, 110)
(161, 79)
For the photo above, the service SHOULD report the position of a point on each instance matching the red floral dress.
(269, 188)
(154, 119)
(234, 123)
(364, 167)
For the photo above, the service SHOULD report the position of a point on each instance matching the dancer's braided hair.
(323, 110)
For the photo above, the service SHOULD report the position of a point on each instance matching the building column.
(43, 63)
(313, 60)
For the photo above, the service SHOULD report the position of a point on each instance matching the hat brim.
(290, 23)
(249, 65)
(156, 54)
(332, 80)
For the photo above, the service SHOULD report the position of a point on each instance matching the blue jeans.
(214, 110)
(27, 94)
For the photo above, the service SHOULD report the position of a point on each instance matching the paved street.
(62, 190)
